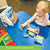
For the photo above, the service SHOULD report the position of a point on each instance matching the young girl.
(41, 15)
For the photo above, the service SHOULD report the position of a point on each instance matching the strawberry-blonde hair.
(43, 5)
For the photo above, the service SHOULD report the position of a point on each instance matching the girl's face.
(40, 13)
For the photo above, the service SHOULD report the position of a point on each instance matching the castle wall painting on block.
(9, 17)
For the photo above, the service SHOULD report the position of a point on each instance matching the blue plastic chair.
(49, 19)
(49, 16)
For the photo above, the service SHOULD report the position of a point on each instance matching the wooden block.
(32, 34)
(28, 25)
(34, 30)
(25, 35)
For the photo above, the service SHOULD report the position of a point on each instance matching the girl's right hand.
(20, 27)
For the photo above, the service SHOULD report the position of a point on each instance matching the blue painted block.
(25, 35)
(39, 39)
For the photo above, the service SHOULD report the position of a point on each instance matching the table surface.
(18, 37)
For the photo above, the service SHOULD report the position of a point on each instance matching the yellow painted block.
(33, 30)
(37, 41)
(40, 36)
(32, 34)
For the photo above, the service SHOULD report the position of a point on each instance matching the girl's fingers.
(21, 26)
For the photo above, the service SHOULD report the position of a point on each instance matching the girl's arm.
(48, 22)
(30, 20)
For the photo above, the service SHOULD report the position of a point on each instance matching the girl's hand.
(21, 27)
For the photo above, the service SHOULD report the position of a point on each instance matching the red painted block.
(28, 25)
(12, 43)
(37, 31)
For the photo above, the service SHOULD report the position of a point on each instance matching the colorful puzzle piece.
(3, 33)
(39, 39)
(32, 34)
(12, 43)
(2, 43)
(7, 39)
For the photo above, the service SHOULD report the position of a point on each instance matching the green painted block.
(7, 39)
(2, 43)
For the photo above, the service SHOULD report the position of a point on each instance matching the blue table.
(18, 37)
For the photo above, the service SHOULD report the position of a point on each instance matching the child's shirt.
(43, 21)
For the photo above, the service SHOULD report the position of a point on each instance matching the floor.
(28, 6)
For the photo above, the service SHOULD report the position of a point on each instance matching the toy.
(21, 28)
(12, 43)
(2, 43)
(25, 35)
(3, 33)
(32, 34)
(8, 17)
(31, 29)
(8, 41)
(28, 25)
(39, 39)
(5, 39)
